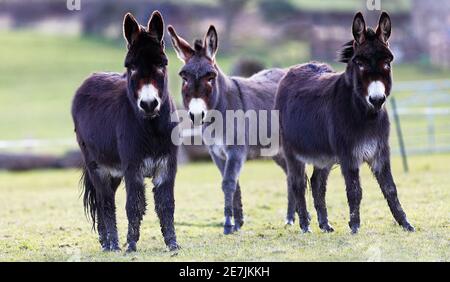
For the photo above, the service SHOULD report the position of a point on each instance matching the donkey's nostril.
(203, 115)
(149, 107)
(378, 101)
(191, 115)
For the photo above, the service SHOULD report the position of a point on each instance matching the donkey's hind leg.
(106, 209)
(135, 204)
(319, 186)
(296, 180)
(238, 212)
(290, 214)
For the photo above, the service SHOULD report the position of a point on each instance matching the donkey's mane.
(346, 53)
(198, 45)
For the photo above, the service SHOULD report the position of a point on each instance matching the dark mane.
(198, 45)
(346, 53)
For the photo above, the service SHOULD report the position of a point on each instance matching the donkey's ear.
(182, 48)
(359, 28)
(156, 25)
(211, 42)
(131, 28)
(384, 27)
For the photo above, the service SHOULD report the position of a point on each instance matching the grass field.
(42, 219)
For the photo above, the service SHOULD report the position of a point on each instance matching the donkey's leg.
(106, 210)
(296, 180)
(102, 233)
(290, 214)
(319, 187)
(135, 204)
(110, 213)
(238, 212)
(381, 168)
(354, 194)
(163, 193)
(231, 173)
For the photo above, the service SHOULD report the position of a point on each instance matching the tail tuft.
(89, 197)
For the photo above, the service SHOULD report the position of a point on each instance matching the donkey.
(204, 88)
(328, 118)
(123, 127)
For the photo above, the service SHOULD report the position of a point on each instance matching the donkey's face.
(199, 73)
(371, 62)
(146, 63)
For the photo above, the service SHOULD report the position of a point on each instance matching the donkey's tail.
(89, 197)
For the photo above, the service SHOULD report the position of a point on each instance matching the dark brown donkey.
(206, 88)
(123, 126)
(328, 118)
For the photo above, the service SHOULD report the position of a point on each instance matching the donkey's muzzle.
(377, 102)
(149, 107)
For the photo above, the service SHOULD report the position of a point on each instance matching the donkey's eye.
(184, 80)
(360, 65)
(387, 66)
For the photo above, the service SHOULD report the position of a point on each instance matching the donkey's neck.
(225, 89)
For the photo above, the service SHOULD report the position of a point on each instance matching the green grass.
(42, 218)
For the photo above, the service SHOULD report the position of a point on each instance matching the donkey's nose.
(378, 101)
(197, 117)
(149, 106)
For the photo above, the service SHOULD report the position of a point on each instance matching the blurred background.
(48, 47)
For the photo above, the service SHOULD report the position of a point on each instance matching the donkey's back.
(98, 106)
(258, 91)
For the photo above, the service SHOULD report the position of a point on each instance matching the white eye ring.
(184, 80)
(387, 66)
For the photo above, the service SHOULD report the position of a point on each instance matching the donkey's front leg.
(163, 193)
(381, 168)
(354, 194)
(135, 205)
(231, 173)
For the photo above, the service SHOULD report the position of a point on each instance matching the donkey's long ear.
(359, 28)
(384, 27)
(211, 42)
(183, 49)
(131, 28)
(156, 25)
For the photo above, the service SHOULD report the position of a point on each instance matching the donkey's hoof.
(239, 223)
(327, 228)
(173, 246)
(131, 247)
(408, 227)
(289, 222)
(236, 227)
(228, 229)
(306, 229)
(354, 230)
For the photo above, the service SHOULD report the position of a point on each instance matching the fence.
(424, 111)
